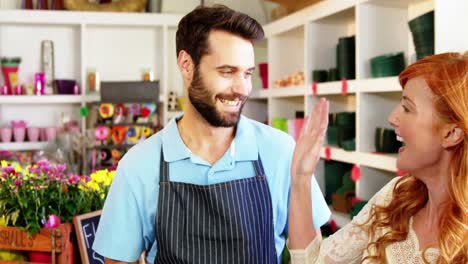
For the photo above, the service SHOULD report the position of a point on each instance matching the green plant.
(28, 195)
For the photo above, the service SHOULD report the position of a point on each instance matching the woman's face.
(416, 123)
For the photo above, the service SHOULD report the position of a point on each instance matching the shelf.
(335, 87)
(339, 154)
(379, 161)
(21, 146)
(112, 146)
(77, 18)
(385, 84)
(373, 160)
(48, 99)
(45, 99)
(341, 219)
(289, 91)
(150, 124)
(92, 98)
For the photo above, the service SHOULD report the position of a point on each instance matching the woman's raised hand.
(309, 144)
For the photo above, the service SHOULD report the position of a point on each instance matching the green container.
(422, 29)
(332, 135)
(280, 123)
(333, 75)
(346, 119)
(385, 140)
(423, 21)
(349, 145)
(388, 65)
(345, 133)
(348, 184)
(346, 58)
(320, 76)
(334, 172)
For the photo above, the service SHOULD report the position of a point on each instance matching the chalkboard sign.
(85, 228)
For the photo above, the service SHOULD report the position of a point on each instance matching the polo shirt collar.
(173, 147)
(243, 148)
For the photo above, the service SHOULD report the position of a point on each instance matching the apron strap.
(163, 169)
(258, 166)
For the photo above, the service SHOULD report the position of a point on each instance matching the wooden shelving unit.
(306, 40)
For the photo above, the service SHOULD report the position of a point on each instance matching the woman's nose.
(393, 117)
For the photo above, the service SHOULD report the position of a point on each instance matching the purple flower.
(45, 169)
(9, 169)
(61, 167)
(42, 163)
(87, 178)
(36, 187)
(4, 175)
(33, 170)
(5, 154)
(74, 179)
(17, 182)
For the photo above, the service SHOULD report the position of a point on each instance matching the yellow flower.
(93, 185)
(19, 169)
(4, 163)
(99, 176)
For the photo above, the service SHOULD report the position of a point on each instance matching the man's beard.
(201, 98)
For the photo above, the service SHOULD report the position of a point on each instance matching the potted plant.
(44, 195)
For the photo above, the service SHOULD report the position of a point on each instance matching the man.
(212, 186)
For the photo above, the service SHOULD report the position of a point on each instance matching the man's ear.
(186, 66)
(452, 135)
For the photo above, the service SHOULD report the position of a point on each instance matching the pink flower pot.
(6, 134)
(42, 134)
(19, 133)
(51, 133)
(33, 134)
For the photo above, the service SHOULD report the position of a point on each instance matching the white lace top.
(349, 244)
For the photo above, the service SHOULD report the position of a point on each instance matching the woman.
(419, 218)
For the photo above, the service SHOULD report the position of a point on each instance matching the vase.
(5, 134)
(33, 134)
(19, 133)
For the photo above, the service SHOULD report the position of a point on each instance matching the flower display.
(30, 195)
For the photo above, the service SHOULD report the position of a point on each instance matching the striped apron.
(230, 222)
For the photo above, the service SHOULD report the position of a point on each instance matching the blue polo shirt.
(127, 223)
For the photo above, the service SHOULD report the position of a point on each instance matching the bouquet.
(44, 194)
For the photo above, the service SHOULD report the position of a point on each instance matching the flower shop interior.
(84, 81)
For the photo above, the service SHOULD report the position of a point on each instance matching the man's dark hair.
(194, 28)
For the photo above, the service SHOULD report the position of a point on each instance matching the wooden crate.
(55, 240)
